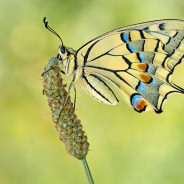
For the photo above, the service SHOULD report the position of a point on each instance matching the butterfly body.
(137, 60)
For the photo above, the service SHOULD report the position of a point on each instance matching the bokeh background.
(125, 147)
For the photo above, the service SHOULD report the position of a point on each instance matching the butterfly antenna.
(50, 29)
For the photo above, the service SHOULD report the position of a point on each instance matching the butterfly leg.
(47, 71)
(55, 67)
(62, 72)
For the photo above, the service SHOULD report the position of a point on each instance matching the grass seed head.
(66, 122)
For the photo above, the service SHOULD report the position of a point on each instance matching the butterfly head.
(62, 52)
(67, 57)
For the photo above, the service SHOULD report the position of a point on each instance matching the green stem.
(87, 171)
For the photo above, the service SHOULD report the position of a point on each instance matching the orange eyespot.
(145, 78)
(141, 105)
(138, 103)
(142, 66)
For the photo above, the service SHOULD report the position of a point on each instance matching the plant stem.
(87, 171)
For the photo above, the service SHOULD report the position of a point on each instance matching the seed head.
(63, 113)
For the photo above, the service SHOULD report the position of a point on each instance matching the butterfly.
(138, 61)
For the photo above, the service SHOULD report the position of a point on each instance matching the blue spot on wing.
(141, 88)
(135, 99)
(142, 57)
(149, 68)
(125, 37)
(152, 82)
(130, 48)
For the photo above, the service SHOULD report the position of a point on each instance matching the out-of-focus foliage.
(126, 147)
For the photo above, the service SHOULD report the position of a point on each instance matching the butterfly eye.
(62, 49)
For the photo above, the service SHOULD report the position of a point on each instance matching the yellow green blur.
(125, 147)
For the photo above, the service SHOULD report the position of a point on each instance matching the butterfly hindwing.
(98, 90)
(137, 60)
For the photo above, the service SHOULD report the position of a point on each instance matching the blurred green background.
(125, 147)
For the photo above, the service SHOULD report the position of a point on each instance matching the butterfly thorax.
(67, 56)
